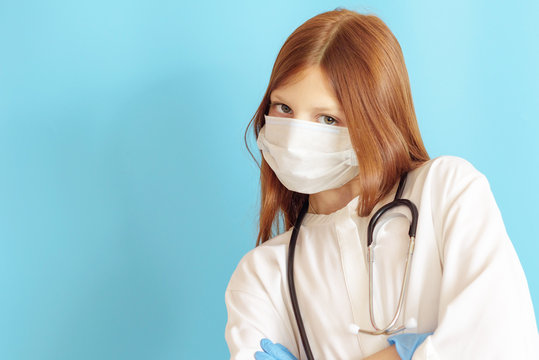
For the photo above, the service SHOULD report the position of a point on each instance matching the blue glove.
(273, 351)
(407, 343)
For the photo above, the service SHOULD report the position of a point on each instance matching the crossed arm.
(276, 351)
(483, 291)
(389, 353)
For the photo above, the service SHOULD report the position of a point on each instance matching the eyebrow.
(317, 108)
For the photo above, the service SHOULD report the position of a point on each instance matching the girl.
(338, 132)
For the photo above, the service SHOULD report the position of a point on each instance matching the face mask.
(307, 157)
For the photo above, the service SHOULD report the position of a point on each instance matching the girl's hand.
(273, 351)
(405, 344)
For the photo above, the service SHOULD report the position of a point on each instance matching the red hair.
(363, 62)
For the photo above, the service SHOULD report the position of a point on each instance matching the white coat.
(466, 282)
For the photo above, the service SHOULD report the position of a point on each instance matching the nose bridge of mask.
(296, 133)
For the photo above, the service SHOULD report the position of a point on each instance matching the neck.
(329, 201)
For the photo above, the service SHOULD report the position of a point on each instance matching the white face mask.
(307, 157)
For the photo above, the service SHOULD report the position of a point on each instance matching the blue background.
(127, 196)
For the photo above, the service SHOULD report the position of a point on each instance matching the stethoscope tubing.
(291, 285)
(397, 201)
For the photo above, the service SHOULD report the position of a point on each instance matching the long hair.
(364, 63)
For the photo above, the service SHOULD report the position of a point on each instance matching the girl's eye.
(286, 109)
(325, 122)
(283, 107)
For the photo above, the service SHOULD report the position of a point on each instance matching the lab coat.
(466, 282)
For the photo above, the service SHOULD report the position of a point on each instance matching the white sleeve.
(485, 309)
(252, 314)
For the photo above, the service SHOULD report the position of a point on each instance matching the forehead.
(310, 88)
(310, 75)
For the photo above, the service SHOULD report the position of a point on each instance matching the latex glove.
(406, 344)
(273, 351)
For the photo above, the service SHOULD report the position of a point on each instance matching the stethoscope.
(390, 328)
